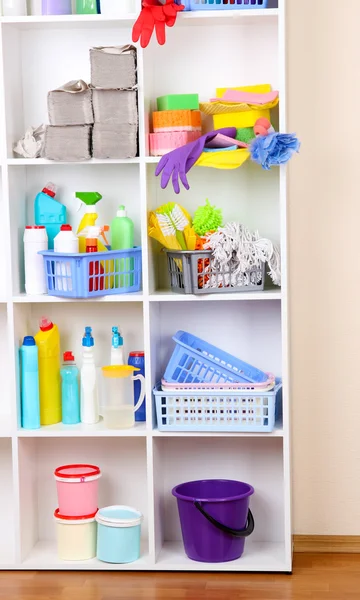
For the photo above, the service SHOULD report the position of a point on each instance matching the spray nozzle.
(117, 339)
(89, 199)
(94, 231)
(88, 340)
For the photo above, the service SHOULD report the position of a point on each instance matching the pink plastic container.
(77, 489)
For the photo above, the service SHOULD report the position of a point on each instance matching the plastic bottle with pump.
(48, 343)
(117, 348)
(30, 399)
(49, 212)
(89, 409)
(89, 199)
(122, 238)
(70, 400)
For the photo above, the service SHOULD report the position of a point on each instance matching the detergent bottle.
(49, 212)
(70, 390)
(89, 409)
(117, 348)
(48, 343)
(122, 238)
(30, 403)
(89, 199)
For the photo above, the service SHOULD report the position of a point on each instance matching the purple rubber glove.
(177, 163)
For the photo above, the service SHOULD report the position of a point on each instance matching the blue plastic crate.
(236, 410)
(196, 361)
(223, 4)
(93, 275)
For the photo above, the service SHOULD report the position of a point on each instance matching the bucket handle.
(240, 533)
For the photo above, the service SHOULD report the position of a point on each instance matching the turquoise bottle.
(30, 398)
(70, 396)
(49, 212)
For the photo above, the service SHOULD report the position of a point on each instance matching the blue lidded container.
(137, 359)
(119, 533)
(30, 398)
(70, 397)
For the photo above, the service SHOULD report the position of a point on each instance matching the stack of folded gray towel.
(110, 102)
(68, 137)
(113, 82)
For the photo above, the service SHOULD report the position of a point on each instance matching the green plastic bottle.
(122, 238)
(87, 7)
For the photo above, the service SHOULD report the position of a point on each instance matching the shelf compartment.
(82, 431)
(257, 461)
(124, 481)
(7, 505)
(25, 299)
(25, 183)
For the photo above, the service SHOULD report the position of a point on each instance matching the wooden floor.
(315, 577)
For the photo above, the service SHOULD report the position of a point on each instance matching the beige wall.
(323, 43)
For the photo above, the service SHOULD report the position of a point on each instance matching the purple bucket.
(215, 518)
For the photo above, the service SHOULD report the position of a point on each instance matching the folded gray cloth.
(113, 67)
(71, 104)
(115, 106)
(114, 141)
(68, 143)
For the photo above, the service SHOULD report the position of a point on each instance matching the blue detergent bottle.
(70, 396)
(30, 397)
(137, 359)
(49, 212)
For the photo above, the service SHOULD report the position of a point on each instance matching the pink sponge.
(162, 143)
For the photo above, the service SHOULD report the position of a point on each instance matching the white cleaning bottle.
(89, 409)
(117, 348)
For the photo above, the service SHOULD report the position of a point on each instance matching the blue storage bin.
(240, 411)
(223, 4)
(196, 361)
(119, 532)
(94, 274)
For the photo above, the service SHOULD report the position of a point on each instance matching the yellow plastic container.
(76, 537)
(242, 119)
(48, 343)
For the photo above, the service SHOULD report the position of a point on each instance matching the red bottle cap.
(49, 192)
(137, 354)
(65, 228)
(69, 357)
(45, 324)
(35, 227)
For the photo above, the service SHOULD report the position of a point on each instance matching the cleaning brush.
(172, 221)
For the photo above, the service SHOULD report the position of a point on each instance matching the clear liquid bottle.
(70, 397)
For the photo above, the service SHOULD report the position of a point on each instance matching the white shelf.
(44, 556)
(258, 556)
(169, 296)
(278, 432)
(81, 430)
(25, 299)
(39, 162)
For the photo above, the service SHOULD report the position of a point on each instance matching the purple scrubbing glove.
(274, 149)
(177, 164)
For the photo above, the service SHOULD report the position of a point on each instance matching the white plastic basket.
(208, 410)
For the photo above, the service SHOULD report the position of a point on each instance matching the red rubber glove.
(155, 16)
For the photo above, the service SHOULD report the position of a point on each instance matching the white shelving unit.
(140, 466)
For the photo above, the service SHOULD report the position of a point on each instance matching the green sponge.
(207, 218)
(246, 134)
(178, 102)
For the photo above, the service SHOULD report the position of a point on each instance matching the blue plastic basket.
(92, 275)
(236, 410)
(223, 4)
(196, 361)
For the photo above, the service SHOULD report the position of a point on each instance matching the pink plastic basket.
(265, 386)
(77, 489)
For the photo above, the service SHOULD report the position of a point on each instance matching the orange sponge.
(176, 120)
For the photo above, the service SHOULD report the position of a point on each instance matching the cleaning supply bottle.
(49, 212)
(56, 7)
(137, 360)
(89, 199)
(30, 399)
(14, 8)
(96, 270)
(122, 238)
(89, 392)
(70, 399)
(87, 7)
(48, 343)
(117, 348)
(66, 242)
(35, 241)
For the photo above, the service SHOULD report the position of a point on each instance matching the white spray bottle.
(117, 348)
(89, 390)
